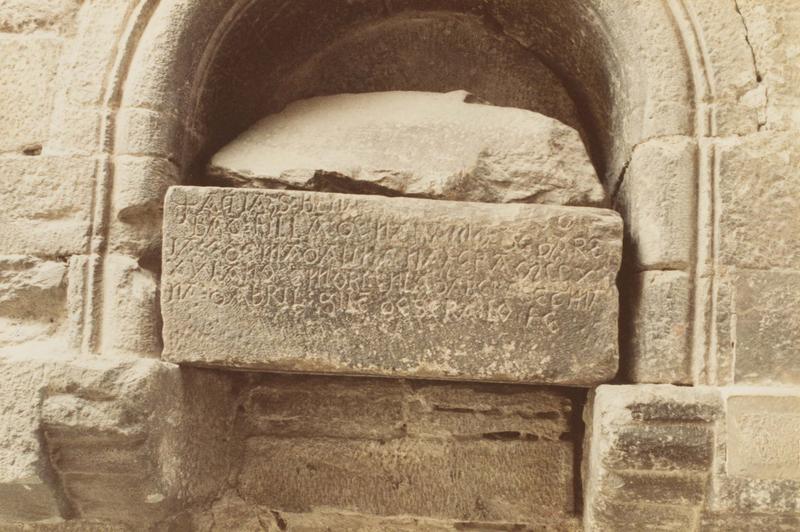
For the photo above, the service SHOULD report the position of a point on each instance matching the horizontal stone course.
(683, 447)
(475, 480)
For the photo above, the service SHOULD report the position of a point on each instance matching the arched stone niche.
(181, 62)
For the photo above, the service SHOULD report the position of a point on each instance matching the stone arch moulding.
(652, 118)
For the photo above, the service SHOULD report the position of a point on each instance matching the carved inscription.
(379, 285)
(764, 437)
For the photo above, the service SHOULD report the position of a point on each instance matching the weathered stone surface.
(25, 492)
(332, 407)
(27, 70)
(472, 480)
(231, 513)
(764, 437)
(652, 487)
(32, 298)
(22, 16)
(760, 216)
(417, 144)
(46, 205)
(658, 342)
(302, 281)
(661, 448)
(767, 313)
(772, 35)
(117, 439)
(389, 447)
(489, 411)
(648, 455)
(657, 199)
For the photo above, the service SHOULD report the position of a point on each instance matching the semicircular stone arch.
(644, 110)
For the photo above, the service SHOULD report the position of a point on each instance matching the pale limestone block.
(125, 440)
(89, 59)
(78, 270)
(75, 131)
(759, 182)
(764, 437)
(28, 67)
(26, 492)
(47, 203)
(767, 325)
(659, 340)
(146, 132)
(657, 199)
(419, 144)
(373, 285)
(738, 104)
(32, 299)
(756, 471)
(775, 42)
(24, 16)
(141, 183)
(132, 308)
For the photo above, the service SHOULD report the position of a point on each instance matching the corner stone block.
(648, 456)
(124, 440)
(368, 285)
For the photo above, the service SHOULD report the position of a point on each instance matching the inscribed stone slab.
(764, 437)
(316, 282)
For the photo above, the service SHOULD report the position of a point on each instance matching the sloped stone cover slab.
(317, 282)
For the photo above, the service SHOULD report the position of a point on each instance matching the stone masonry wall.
(110, 440)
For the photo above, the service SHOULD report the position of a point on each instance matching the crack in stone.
(759, 76)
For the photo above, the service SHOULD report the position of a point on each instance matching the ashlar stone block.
(764, 437)
(316, 282)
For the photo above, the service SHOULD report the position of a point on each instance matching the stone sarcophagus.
(368, 285)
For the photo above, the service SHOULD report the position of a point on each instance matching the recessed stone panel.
(316, 282)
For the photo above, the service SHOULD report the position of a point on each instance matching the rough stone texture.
(45, 205)
(773, 38)
(121, 440)
(299, 281)
(143, 443)
(26, 90)
(373, 447)
(759, 187)
(763, 437)
(232, 513)
(32, 299)
(143, 93)
(659, 211)
(767, 312)
(760, 222)
(415, 144)
(669, 457)
(26, 16)
(656, 346)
